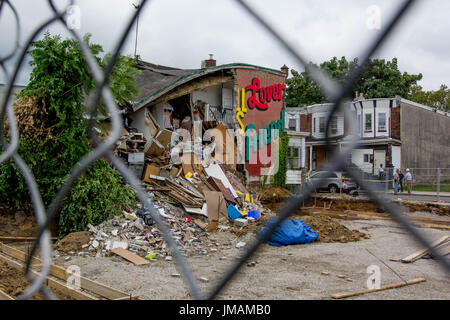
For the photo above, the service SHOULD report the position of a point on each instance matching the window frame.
(289, 124)
(384, 128)
(322, 124)
(334, 125)
(366, 116)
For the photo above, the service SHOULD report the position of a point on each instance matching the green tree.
(339, 69)
(439, 99)
(379, 79)
(54, 137)
(383, 79)
(302, 90)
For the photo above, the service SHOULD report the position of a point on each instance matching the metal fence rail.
(335, 92)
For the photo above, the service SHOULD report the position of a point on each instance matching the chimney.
(209, 63)
(286, 70)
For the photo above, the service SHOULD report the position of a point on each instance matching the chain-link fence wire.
(336, 94)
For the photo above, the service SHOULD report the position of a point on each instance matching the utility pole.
(137, 28)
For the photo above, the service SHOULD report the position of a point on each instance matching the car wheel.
(333, 188)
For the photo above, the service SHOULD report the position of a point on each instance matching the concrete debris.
(239, 222)
(240, 244)
(204, 279)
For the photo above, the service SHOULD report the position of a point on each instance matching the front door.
(379, 157)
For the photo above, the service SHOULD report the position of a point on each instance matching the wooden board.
(22, 239)
(392, 286)
(441, 222)
(423, 252)
(5, 296)
(73, 293)
(51, 283)
(60, 273)
(153, 170)
(130, 256)
(214, 170)
(218, 185)
(201, 224)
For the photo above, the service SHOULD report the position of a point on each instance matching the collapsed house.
(197, 138)
(237, 110)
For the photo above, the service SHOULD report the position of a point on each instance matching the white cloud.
(181, 33)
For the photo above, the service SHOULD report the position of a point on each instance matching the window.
(382, 122)
(294, 158)
(349, 158)
(333, 125)
(359, 123)
(293, 124)
(366, 158)
(314, 123)
(322, 124)
(324, 175)
(368, 123)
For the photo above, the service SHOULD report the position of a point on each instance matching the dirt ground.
(290, 272)
(13, 282)
(336, 263)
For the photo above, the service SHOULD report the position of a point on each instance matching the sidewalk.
(422, 193)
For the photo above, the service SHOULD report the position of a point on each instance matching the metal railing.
(335, 92)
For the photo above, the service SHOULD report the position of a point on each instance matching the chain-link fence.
(336, 93)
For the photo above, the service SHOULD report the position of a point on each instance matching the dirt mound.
(273, 194)
(13, 282)
(330, 230)
(73, 241)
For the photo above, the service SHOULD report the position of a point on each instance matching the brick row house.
(394, 132)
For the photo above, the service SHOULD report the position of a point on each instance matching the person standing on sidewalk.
(396, 180)
(380, 172)
(408, 178)
(400, 180)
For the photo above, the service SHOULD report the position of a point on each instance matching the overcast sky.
(181, 33)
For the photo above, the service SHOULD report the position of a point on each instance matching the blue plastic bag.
(233, 212)
(289, 232)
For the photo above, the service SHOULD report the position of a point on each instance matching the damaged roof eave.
(194, 75)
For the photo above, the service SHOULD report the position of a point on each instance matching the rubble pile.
(194, 194)
(130, 232)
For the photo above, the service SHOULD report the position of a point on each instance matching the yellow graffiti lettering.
(241, 111)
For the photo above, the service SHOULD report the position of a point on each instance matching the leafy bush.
(97, 195)
(54, 137)
(279, 179)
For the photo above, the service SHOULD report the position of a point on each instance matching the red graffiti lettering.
(261, 96)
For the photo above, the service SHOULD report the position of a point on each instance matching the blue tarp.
(290, 232)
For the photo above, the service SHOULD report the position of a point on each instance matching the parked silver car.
(334, 182)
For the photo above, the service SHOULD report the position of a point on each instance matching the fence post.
(438, 186)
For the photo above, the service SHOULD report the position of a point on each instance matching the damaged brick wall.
(261, 118)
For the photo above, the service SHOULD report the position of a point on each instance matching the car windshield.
(323, 174)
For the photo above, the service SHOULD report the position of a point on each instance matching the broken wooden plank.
(130, 256)
(200, 223)
(423, 252)
(392, 286)
(443, 250)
